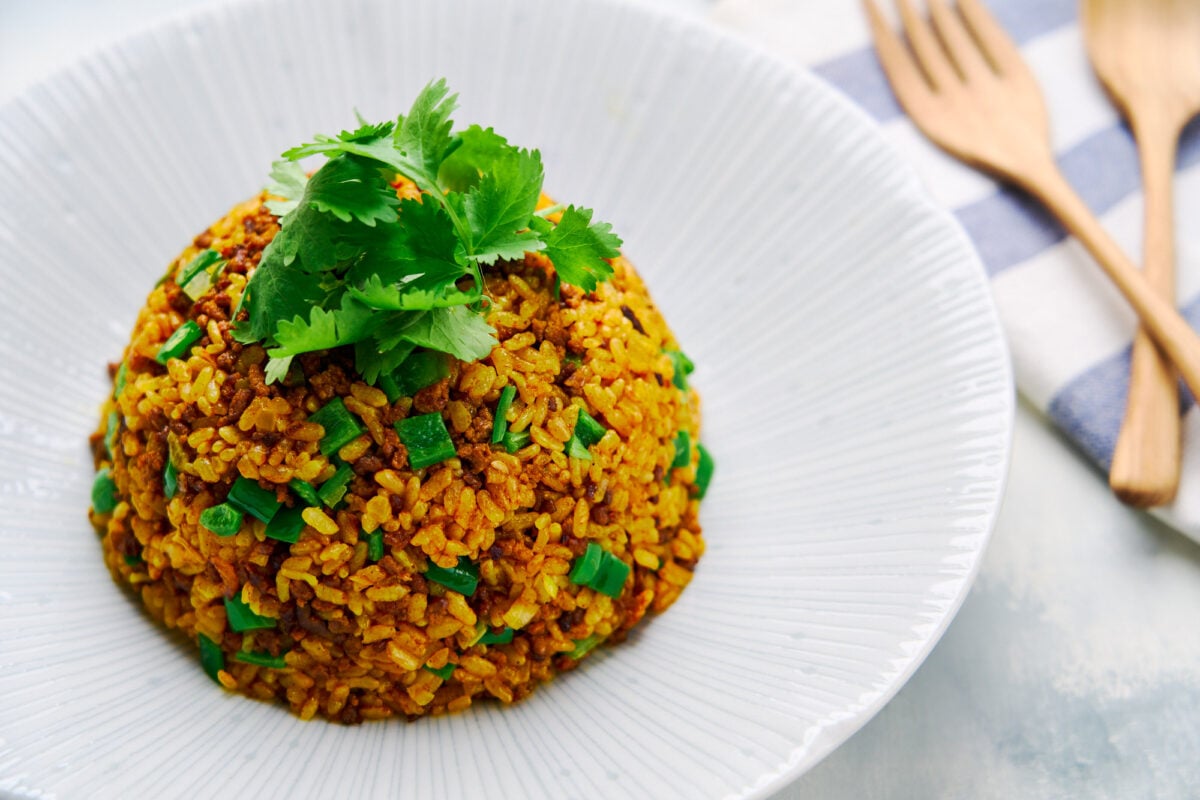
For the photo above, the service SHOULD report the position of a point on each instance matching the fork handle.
(1171, 331)
(1146, 459)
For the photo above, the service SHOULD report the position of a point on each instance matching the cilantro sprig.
(353, 264)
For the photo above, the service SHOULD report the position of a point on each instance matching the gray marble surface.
(1073, 668)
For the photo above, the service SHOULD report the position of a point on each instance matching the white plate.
(856, 389)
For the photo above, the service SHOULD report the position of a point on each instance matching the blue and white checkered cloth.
(1068, 329)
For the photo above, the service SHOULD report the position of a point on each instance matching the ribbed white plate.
(856, 394)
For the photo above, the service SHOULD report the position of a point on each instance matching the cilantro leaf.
(372, 362)
(416, 257)
(287, 181)
(423, 135)
(366, 132)
(498, 208)
(458, 331)
(578, 248)
(352, 188)
(479, 150)
(275, 293)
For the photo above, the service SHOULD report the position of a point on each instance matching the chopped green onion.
(500, 425)
(133, 561)
(683, 367)
(442, 672)
(572, 358)
(503, 637)
(584, 646)
(610, 580)
(587, 565)
(241, 618)
(374, 544)
(286, 525)
(341, 427)
(170, 480)
(260, 659)
(704, 471)
(587, 433)
(179, 342)
(211, 657)
(110, 432)
(119, 381)
(420, 370)
(203, 280)
(462, 578)
(333, 490)
(256, 501)
(683, 450)
(104, 492)
(202, 261)
(515, 440)
(304, 491)
(223, 519)
(426, 438)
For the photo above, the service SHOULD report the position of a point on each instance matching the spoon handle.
(1145, 464)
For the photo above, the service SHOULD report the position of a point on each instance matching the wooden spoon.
(1147, 54)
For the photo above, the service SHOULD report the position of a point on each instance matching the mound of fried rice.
(362, 639)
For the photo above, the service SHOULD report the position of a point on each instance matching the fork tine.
(908, 82)
(971, 62)
(999, 48)
(928, 49)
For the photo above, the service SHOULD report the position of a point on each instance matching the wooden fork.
(965, 85)
(1147, 54)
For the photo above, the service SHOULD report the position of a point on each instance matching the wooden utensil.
(965, 85)
(1147, 54)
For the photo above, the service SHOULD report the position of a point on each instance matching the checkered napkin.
(1068, 329)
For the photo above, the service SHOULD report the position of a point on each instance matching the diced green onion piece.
(584, 646)
(286, 525)
(500, 424)
(573, 359)
(333, 490)
(211, 657)
(374, 544)
(256, 501)
(223, 519)
(587, 565)
(587, 430)
(241, 618)
(503, 637)
(179, 342)
(341, 427)
(426, 438)
(202, 261)
(587, 433)
(104, 492)
(420, 370)
(611, 578)
(304, 491)
(260, 659)
(462, 578)
(133, 561)
(515, 440)
(683, 367)
(119, 380)
(442, 672)
(704, 471)
(110, 432)
(683, 450)
(170, 480)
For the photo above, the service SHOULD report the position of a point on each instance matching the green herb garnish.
(333, 490)
(462, 578)
(587, 565)
(683, 450)
(246, 495)
(260, 659)
(503, 637)
(500, 423)
(600, 570)
(374, 541)
(443, 672)
(179, 342)
(211, 657)
(704, 471)
(304, 491)
(426, 438)
(423, 368)
(200, 273)
(587, 433)
(584, 646)
(223, 519)
(354, 265)
(104, 492)
(515, 440)
(241, 618)
(341, 427)
(683, 367)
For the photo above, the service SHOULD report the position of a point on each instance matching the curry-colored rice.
(357, 636)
